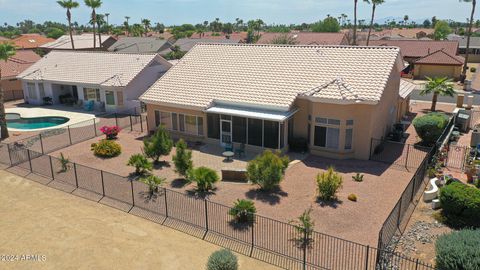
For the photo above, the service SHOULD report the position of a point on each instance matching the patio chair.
(89, 105)
(229, 147)
(240, 151)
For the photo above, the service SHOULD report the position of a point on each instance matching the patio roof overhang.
(271, 115)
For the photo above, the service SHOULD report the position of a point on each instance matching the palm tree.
(127, 27)
(405, 20)
(438, 86)
(374, 6)
(68, 5)
(355, 2)
(146, 24)
(108, 25)
(7, 50)
(94, 4)
(100, 22)
(469, 34)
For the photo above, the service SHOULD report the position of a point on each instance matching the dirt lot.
(74, 233)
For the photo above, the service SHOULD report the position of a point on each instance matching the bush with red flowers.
(110, 132)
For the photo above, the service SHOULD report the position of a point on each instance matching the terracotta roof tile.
(440, 57)
(307, 38)
(419, 48)
(18, 63)
(31, 41)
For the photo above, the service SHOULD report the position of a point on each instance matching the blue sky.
(194, 11)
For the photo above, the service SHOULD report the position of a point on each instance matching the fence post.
(366, 257)
(51, 167)
(371, 145)
(133, 197)
(253, 237)
(399, 212)
(94, 127)
(41, 142)
(305, 248)
(9, 154)
(206, 219)
(416, 265)
(131, 125)
(29, 160)
(69, 134)
(75, 172)
(406, 158)
(166, 205)
(414, 186)
(141, 123)
(103, 185)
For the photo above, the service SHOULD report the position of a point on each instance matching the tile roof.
(406, 88)
(31, 41)
(83, 41)
(139, 45)
(419, 48)
(186, 44)
(440, 57)
(4, 38)
(272, 76)
(210, 35)
(18, 63)
(97, 68)
(462, 41)
(307, 38)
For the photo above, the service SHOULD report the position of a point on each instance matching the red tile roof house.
(307, 38)
(113, 81)
(15, 65)
(30, 41)
(428, 57)
(335, 98)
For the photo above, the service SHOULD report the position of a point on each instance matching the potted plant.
(47, 101)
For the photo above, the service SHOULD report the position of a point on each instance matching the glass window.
(226, 117)
(213, 126)
(174, 121)
(349, 122)
(191, 124)
(181, 122)
(41, 89)
(333, 138)
(120, 98)
(239, 129)
(166, 119)
(91, 94)
(157, 118)
(200, 125)
(110, 97)
(334, 122)
(348, 138)
(255, 132)
(321, 120)
(32, 92)
(282, 135)
(270, 134)
(320, 136)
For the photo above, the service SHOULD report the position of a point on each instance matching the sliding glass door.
(226, 132)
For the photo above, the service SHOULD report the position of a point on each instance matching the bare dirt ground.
(74, 233)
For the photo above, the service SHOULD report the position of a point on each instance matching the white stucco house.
(113, 81)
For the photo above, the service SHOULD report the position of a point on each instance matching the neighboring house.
(3, 39)
(336, 98)
(12, 87)
(30, 41)
(114, 81)
(474, 55)
(307, 38)
(140, 45)
(186, 44)
(428, 57)
(81, 42)
(242, 36)
(406, 89)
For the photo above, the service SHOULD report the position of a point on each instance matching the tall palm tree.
(100, 22)
(374, 7)
(355, 2)
(146, 24)
(405, 20)
(469, 34)
(438, 86)
(7, 50)
(127, 27)
(108, 25)
(68, 5)
(94, 4)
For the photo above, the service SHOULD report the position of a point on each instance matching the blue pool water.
(15, 121)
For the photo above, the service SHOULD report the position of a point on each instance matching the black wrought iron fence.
(266, 239)
(406, 155)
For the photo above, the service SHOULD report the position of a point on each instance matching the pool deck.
(75, 117)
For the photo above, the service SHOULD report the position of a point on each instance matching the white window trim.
(184, 122)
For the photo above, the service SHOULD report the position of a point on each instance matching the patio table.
(228, 155)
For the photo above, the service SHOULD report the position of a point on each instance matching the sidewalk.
(74, 233)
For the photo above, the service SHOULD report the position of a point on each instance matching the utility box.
(460, 98)
(475, 139)
(462, 121)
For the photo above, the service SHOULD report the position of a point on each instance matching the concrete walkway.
(68, 232)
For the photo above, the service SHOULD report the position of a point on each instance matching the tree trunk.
(354, 22)
(465, 65)
(99, 36)
(69, 17)
(434, 102)
(94, 22)
(3, 120)
(371, 23)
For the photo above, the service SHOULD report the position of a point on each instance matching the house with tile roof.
(83, 42)
(12, 87)
(306, 38)
(140, 45)
(30, 41)
(112, 81)
(186, 44)
(474, 55)
(332, 98)
(428, 58)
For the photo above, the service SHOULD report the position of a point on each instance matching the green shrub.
(429, 127)
(64, 163)
(458, 250)
(304, 226)
(267, 169)
(106, 149)
(473, 69)
(182, 159)
(352, 197)
(243, 211)
(222, 260)
(204, 177)
(461, 204)
(358, 177)
(158, 145)
(141, 164)
(153, 182)
(328, 183)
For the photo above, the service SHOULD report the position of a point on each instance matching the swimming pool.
(14, 120)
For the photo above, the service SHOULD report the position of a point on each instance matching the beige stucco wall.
(421, 71)
(472, 58)
(12, 89)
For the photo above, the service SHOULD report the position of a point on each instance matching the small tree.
(304, 227)
(158, 145)
(328, 183)
(141, 164)
(430, 127)
(222, 260)
(64, 163)
(267, 169)
(182, 159)
(243, 211)
(153, 182)
(204, 177)
(438, 87)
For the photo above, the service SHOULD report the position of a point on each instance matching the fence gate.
(456, 156)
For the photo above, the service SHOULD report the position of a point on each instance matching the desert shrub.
(153, 182)
(141, 164)
(429, 127)
(159, 144)
(328, 183)
(204, 177)
(461, 204)
(64, 163)
(182, 159)
(267, 169)
(110, 132)
(243, 211)
(458, 250)
(304, 226)
(358, 177)
(352, 197)
(106, 149)
(222, 260)
(473, 69)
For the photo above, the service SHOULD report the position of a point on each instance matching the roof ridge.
(339, 82)
(437, 51)
(295, 45)
(101, 52)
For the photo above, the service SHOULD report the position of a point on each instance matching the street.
(416, 96)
